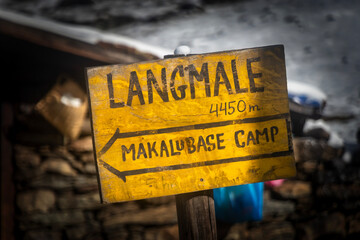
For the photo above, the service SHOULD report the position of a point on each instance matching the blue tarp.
(239, 203)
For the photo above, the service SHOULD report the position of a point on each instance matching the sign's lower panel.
(159, 164)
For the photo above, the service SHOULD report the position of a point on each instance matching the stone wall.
(57, 198)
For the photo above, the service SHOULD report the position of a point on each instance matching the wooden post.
(196, 215)
(196, 210)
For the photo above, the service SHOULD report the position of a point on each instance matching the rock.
(318, 133)
(236, 232)
(109, 211)
(118, 233)
(156, 201)
(47, 151)
(330, 153)
(58, 219)
(79, 183)
(56, 182)
(24, 148)
(84, 144)
(90, 168)
(86, 128)
(293, 190)
(354, 223)
(305, 206)
(309, 149)
(136, 232)
(275, 208)
(26, 174)
(83, 184)
(165, 233)
(84, 231)
(306, 149)
(326, 226)
(41, 234)
(56, 152)
(309, 167)
(273, 231)
(26, 157)
(87, 158)
(58, 165)
(340, 192)
(76, 165)
(38, 200)
(63, 153)
(77, 232)
(161, 215)
(171, 232)
(79, 201)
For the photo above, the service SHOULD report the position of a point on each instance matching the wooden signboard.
(191, 123)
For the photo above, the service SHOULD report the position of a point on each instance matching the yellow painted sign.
(191, 123)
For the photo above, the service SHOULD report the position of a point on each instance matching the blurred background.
(48, 177)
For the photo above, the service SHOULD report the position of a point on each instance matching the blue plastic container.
(239, 203)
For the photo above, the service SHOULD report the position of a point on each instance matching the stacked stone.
(321, 202)
(57, 197)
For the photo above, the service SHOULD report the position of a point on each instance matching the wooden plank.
(191, 123)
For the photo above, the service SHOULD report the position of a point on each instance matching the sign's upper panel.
(183, 122)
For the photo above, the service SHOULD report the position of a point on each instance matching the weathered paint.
(171, 143)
